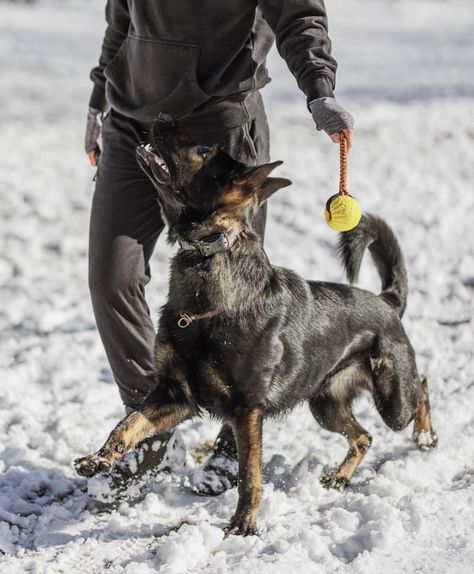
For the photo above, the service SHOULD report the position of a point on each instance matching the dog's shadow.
(34, 497)
(284, 475)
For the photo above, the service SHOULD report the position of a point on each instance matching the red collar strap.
(185, 320)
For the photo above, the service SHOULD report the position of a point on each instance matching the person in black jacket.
(203, 63)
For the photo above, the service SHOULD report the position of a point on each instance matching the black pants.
(125, 225)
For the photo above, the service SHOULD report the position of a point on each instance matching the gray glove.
(329, 116)
(93, 134)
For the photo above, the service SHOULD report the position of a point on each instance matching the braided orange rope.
(342, 210)
(343, 164)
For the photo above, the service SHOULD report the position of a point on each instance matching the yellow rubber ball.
(343, 212)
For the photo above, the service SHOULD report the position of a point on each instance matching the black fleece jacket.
(180, 56)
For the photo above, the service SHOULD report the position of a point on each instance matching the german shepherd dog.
(244, 340)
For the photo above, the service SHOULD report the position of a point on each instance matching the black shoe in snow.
(220, 472)
(152, 456)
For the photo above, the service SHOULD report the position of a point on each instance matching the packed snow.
(407, 74)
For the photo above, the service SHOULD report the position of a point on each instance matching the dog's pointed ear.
(255, 176)
(270, 186)
(253, 182)
(256, 180)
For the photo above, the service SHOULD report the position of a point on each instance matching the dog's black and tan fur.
(274, 339)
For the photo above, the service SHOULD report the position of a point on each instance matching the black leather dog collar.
(212, 244)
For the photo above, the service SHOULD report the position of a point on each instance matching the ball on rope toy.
(342, 212)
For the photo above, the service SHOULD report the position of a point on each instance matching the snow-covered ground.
(407, 73)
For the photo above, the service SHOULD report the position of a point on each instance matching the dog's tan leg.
(423, 434)
(341, 476)
(332, 410)
(248, 434)
(138, 425)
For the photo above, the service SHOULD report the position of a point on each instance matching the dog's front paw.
(334, 480)
(242, 525)
(91, 465)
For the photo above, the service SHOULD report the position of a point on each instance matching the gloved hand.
(93, 143)
(331, 117)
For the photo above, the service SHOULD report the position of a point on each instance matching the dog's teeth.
(161, 163)
(156, 157)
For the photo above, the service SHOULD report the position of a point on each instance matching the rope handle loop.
(343, 164)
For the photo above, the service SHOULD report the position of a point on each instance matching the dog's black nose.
(166, 120)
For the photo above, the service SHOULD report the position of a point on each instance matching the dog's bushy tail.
(373, 233)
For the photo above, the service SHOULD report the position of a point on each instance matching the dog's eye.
(203, 151)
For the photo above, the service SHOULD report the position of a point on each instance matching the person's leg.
(249, 144)
(125, 224)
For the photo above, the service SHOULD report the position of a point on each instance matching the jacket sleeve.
(118, 20)
(301, 32)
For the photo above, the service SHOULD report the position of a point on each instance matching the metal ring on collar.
(184, 320)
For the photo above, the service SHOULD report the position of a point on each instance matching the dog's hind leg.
(423, 434)
(332, 410)
(400, 394)
(149, 420)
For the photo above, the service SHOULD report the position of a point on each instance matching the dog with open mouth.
(244, 340)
